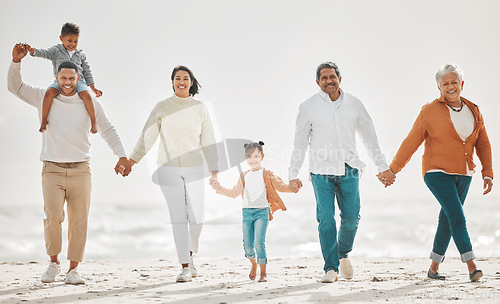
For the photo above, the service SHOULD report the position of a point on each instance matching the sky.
(256, 63)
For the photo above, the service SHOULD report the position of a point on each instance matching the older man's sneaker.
(329, 277)
(194, 272)
(73, 278)
(184, 276)
(346, 268)
(49, 276)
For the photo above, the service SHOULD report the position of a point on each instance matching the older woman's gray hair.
(449, 68)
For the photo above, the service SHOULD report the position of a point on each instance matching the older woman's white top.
(463, 121)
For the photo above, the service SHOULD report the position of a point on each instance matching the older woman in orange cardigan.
(451, 127)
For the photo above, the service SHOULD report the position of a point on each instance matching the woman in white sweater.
(186, 139)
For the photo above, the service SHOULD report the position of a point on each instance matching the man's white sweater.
(67, 138)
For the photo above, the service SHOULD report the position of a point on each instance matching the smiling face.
(67, 80)
(254, 160)
(329, 83)
(450, 87)
(70, 41)
(181, 83)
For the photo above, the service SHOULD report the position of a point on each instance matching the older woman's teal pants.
(450, 190)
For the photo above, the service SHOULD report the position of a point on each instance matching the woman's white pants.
(184, 191)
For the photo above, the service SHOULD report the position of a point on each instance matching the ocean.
(388, 228)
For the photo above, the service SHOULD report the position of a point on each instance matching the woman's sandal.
(435, 276)
(475, 275)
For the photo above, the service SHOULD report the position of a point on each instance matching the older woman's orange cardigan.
(444, 149)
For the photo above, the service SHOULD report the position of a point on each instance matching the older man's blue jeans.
(346, 189)
(450, 190)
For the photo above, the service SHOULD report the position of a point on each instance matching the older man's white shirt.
(328, 128)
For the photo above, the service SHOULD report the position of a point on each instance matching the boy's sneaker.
(346, 268)
(49, 276)
(194, 272)
(330, 277)
(73, 277)
(184, 276)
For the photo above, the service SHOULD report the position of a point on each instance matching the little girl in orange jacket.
(258, 188)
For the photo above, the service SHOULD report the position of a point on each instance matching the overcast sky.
(256, 63)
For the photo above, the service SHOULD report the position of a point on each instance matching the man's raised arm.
(32, 96)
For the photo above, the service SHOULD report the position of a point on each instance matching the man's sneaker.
(49, 276)
(73, 277)
(346, 268)
(184, 276)
(194, 272)
(330, 277)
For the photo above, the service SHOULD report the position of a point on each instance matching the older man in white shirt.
(327, 124)
(65, 154)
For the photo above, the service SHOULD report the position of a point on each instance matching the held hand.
(29, 48)
(19, 52)
(123, 166)
(295, 185)
(387, 177)
(97, 92)
(213, 179)
(216, 185)
(488, 184)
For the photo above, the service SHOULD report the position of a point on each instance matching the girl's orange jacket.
(272, 182)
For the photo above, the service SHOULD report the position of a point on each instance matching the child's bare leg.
(89, 105)
(47, 103)
(263, 274)
(253, 271)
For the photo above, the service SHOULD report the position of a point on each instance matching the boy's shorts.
(80, 86)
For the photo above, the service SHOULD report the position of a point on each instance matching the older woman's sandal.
(435, 276)
(475, 275)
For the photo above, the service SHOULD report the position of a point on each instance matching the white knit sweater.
(67, 138)
(185, 131)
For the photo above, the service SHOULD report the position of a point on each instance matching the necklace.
(457, 110)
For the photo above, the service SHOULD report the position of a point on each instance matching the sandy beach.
(393, 280)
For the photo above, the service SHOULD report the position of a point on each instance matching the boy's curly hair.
(70, 28)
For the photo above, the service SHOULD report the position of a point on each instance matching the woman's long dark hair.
(193, 90)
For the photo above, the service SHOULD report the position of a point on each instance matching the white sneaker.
(184, 276)
(194, 272)
(73, 277)
(329, 277)
(49, 276)
(346, 268)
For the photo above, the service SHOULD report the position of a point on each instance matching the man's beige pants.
(70, 182)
